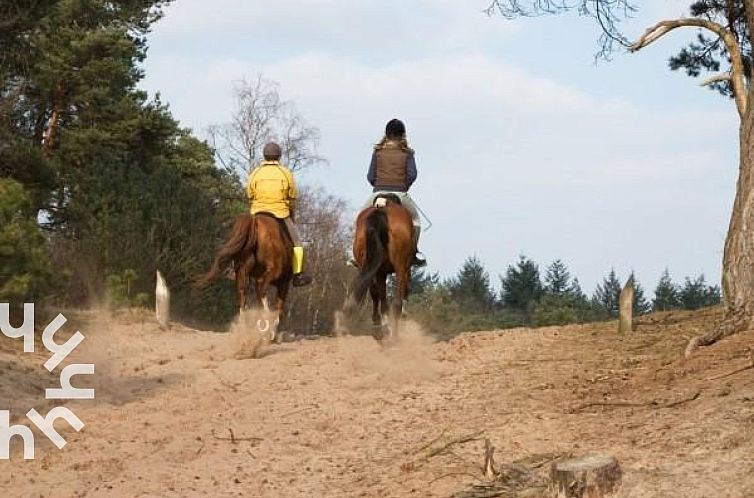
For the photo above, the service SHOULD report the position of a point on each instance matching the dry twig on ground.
(234, 439)
(459, 440)
(738, 370)
(633, 404)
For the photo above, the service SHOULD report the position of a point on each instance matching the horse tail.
(242, 236)
(376, 239)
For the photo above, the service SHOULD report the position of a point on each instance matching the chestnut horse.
(383, 244)
(260, 249)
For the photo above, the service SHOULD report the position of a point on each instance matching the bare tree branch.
(607, 13)
(716, 79)
(262, 116)
(737, 76)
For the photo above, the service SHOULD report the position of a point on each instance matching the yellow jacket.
(271, 189)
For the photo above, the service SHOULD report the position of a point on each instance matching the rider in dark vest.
(393, 170)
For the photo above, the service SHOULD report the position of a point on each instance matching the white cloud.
(380, 28)
(510, 161)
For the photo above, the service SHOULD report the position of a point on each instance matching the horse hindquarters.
(376, 230)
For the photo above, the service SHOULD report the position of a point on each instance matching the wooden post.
(490, 472)
(162, 301)
(626, 307)
(594, 476)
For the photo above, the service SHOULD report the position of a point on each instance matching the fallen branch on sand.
(634, 404)
(738, 370)
(459, 440)
(424, 447)
(233, 439)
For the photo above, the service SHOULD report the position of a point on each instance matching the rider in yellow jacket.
(272, 190)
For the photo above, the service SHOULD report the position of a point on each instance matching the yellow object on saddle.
(298, 260)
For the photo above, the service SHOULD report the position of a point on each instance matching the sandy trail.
(342, 417)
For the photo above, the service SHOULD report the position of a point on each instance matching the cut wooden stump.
(593, 476)
(162, 301)
(626, 307)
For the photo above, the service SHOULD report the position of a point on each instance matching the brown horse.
(260, 249)
(383, 244)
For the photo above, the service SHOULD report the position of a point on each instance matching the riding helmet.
(395, 129)
(272, 152)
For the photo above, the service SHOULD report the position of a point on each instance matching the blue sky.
(524, 144)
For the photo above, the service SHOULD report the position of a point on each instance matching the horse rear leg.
(380, 310)
(280, 298)
(375, 294)
(242, 283)
(263, 324)
(401, 295)
(400, 299)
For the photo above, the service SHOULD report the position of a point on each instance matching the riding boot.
(300, 277)
(419, 260)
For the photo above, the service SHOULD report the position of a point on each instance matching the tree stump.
(594, 476)
(162, 301)
(626, 307)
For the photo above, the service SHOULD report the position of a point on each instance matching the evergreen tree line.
(529, 297)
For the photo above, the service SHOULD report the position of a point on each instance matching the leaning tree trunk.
(738, 257)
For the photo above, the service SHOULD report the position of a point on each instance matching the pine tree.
(607, 294)
(640, 304)
(24, 266)
(557, 278)
(666, 294)
(521, 286)
(471, 286)
(585, 311)
(714, 295)
(575, 289)
(697, 294)
(422, 280)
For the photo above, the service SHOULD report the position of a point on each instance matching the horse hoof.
(382, 333)
(378, 332)
(340, 324)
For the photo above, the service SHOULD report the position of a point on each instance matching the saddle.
(281, 224)
(382, 200)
